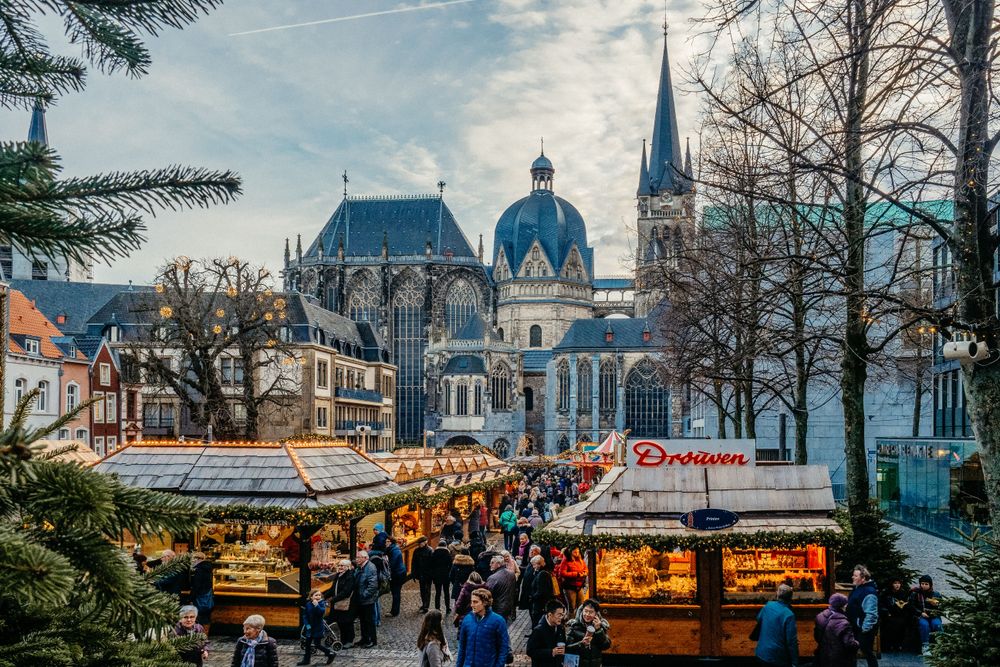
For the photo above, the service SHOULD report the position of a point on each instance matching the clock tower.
(665, 200)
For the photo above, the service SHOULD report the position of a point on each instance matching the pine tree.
(874, 545)
(100, 215)
(971, 633)
(68, 594)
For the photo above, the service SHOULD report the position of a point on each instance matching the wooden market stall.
(280, 513)
(670, 588)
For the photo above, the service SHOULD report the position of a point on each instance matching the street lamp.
(363, 430)
(427, 434)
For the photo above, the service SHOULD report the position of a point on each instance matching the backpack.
(381, 563)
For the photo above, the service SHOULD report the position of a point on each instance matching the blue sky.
(459, 93)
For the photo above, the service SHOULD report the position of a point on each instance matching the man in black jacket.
(420, 569)
(547, 643)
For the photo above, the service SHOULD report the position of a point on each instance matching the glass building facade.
(934, 484)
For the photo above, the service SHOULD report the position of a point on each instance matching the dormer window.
(114, 334)
(32, 346)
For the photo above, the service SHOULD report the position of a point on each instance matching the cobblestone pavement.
(927, 554)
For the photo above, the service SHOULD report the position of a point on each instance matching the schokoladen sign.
(646, 453)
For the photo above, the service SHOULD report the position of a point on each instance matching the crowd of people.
(851, 623)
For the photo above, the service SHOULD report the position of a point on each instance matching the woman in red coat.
(572, 576)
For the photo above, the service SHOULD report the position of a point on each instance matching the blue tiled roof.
(465, 364)
(614, 283)
(77, 302)
(535, 360)
(89, 345)
(627, 334)
(408, 222)
(474, 329)
(552, 220)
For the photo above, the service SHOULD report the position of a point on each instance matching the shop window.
(752, 575)
(647, 576)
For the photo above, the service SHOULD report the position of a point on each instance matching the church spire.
(665, 153)
(38, 132)
(688, 167)
(643, 189)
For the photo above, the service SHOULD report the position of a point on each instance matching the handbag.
(755, 633)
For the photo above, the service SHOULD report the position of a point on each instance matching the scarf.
(250, 656)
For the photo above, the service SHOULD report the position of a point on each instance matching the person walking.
(431, 642)
(475, 521)
(440, 566)
(463, 604)
(587, 635)
(482, 637)
(202, 594)
(862, 612)
(508, 525)
(503, 585)
(255, 648)
(340, 595)
(461, 567)
(572, 576)
(314, 627)
(422, 571)
(397, 575)
(187, 624)
(926, 605)
(778, 642)
(365, 597)
(547, 642)
(542, 589)
(835, 642)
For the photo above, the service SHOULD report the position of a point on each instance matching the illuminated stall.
(280, 515)
(685, 555)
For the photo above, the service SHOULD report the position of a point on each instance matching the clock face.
(666, 200)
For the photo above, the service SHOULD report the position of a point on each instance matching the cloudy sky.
(459, 92)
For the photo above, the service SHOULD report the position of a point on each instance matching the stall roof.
(453, 467)
(83, 454)
(288, 475)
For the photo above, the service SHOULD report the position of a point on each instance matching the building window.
(64, 434)
(408, 346)
(535, 336)
(608, 387)
(112, 443)
(529, 399)
(500, 387)
(72, 396)
(363, 298)
(321, 413)
(20, 389)
(477, 403)
(563, 442)
(42, 403)
(500, 333)
(462, 399)
(39, 270)
(460, 304)
(111, 414)
(105, 374)
(239, 414)
(232, 371)
(157, 415)
(32, 346)
(98, 407)
(562, 386)
(446, 402)
(647, 402)
(584, 390)
(81, 434)
(322, 374)
(99, 446)
(501, 448)
(7, 262)
(114, 334)
(534, 254)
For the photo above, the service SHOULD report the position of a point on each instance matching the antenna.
(346, 181)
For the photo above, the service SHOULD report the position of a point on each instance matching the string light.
(166, 311)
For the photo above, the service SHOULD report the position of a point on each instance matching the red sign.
(650, 454)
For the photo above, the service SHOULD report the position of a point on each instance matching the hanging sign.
(644, 453)
(709, 518)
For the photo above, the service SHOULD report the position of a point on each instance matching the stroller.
(330, 638)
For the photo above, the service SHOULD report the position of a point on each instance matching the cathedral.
(527, 350)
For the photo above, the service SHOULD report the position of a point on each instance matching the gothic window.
(477, 403)
(459, 305)
(527, 271)
(461, 399)
(529, 399)
(563, 442)
(363, 299)
(534, 253)
(408, 345)
(500, 333)
(446, 401)
(500, 387)
(647, 402)
(583, 383)
(608, 390)
(535, 336)
(562, 386)
(501, 448)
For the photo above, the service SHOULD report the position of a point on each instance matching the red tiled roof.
(26, 320)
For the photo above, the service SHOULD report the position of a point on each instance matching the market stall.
(684, 556)
(280, 515)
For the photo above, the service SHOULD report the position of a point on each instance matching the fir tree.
(971, 633)
(873, 544)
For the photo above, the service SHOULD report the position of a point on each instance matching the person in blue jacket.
(862, 612)
(397, 574)
(482, 637)
(314, 628)
(778, 644)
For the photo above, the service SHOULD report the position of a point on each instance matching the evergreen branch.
(107, 43)
(45, 234)
(32, 573)
(151, 16)
(23, 83)
(142, 511)
(40, 433)
(16, 157)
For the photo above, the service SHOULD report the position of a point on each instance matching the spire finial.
(666, 25)
(346, 181)
(441, 186)
(543, 145)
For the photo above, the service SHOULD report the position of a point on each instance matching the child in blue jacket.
(314, 628)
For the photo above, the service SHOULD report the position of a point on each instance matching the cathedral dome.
(552, 220)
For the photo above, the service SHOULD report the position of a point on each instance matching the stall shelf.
(673, 589)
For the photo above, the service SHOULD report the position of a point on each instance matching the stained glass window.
(647, 402)
(608, 390)
(501, 448)
(460, 304)
(363, 298)
(408, 346)
(535, 336)
(562, 386)
(461, 399)
(584, 391)
(500, 387)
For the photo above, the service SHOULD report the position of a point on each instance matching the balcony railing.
(350, 425)
(359, 394)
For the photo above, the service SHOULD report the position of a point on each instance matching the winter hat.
(926, 579)
(379, 528)
(838, 601)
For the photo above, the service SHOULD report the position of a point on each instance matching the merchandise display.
(438, 514)
(647, 576)
(752, 575)
(251, 567)
(406, 524)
